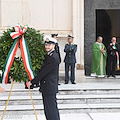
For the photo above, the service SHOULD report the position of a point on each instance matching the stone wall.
(49, 16)
(90, 25)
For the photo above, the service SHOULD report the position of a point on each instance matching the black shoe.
(108, 76)
(73, 83)
(114, 76)
(66, 82)
(59, 84)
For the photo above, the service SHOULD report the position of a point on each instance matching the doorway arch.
(107, 25)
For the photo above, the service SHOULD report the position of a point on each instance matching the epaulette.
(69, 44)
(51, 54)
(74, 44)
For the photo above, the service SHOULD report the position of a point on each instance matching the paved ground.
(90, 84)
(90, 116)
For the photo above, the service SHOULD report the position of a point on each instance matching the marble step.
(76, 91)
(73, 116)
(63, 108)
(62, 99)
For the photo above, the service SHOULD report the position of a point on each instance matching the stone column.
(78, 33)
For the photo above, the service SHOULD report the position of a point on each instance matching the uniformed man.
(48, 80)
(55, 36)
(70, 59)
(113, 57)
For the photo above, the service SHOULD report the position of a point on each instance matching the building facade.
(84, 19)
(49, 16)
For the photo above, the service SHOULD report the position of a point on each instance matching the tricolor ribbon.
(24, 51)
(114, 47)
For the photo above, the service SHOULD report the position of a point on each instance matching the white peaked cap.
(49, 39)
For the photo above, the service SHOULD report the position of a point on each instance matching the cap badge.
(47, 40)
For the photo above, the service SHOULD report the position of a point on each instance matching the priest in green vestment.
(98, 68)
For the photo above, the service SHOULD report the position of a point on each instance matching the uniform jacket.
(48, 74)
(111, 51)
(58, 51)
(70, 51)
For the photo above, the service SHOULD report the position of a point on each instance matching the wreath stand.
(9, 98)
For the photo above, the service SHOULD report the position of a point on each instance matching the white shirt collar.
(50, 51)
(70, 43)
(98, 43)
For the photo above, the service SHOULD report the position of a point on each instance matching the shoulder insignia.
(51, 54)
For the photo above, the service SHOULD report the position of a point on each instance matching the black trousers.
(50, 106)
(112, 61)
(58, 73)
(67, 66)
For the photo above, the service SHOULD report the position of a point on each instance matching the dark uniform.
(112, 58)
(70, 60)
(49, 85)
(57, 51)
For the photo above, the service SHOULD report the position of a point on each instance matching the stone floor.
(81, 116)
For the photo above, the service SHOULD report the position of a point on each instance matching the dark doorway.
(108, 25)
(103, 26)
